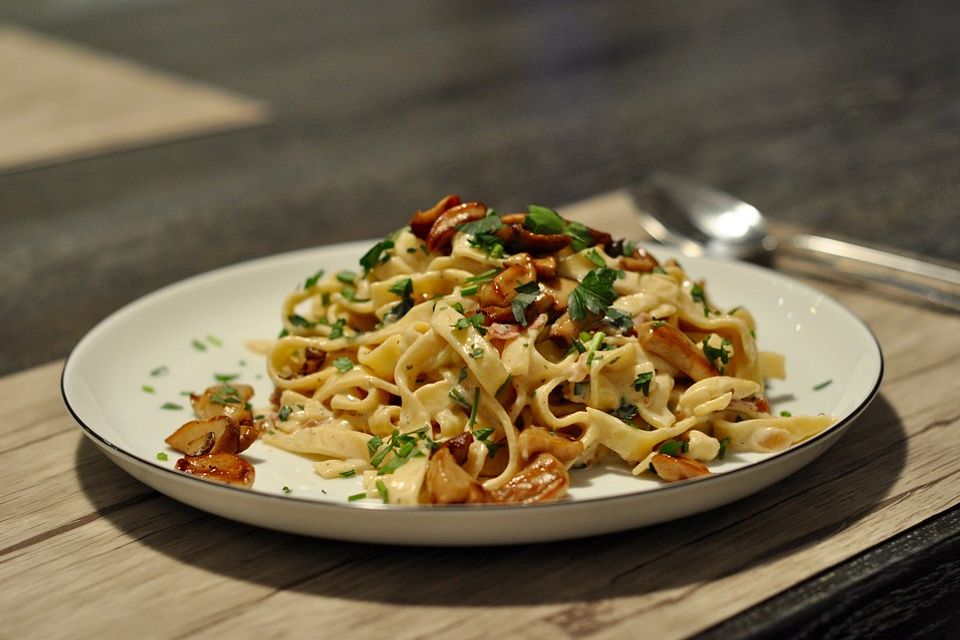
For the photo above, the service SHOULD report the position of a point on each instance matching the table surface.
(297, 124)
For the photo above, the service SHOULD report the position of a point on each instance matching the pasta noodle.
(478, 357)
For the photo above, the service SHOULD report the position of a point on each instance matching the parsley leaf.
(625, 412)
(580, 236)
(526, 295)
(594, 257)
(343, 364)
(375, 255)
(475, 321)
(671, 447)
(543, 220)
(696, 292)
(346, 277)
(404, 289)
(312, 280)
(594, 294)
(619, 319)
(483, 232)
(285, 412)
(724, 443)
(717, 354)
(642, 382)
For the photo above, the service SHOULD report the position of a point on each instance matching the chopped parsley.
(403, 446)
(718, 354)
(594, 257)
(580, 236)
(619, 319)
(287, 490)
(299, 321)
(483, 436)
(724, 443)
(162, 370)
(336, 329)
(475, 321)
(226, 377)
(346, 276)
(285, 412)
(506, 383)
(547, 221)
(625, 412)
(822, 385)
(343, 364)
(594, 294)
(162, 456)
(785, 414)
(526, 295)
(378, 254)
(403, 289)
(476, 353)
(483, 232)
(671, 447)
(642, 382)
(698, 295)
(313, 280)
(171, 406)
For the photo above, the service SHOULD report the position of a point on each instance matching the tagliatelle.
(478, 357)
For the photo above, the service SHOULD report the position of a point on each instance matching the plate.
(144, 356)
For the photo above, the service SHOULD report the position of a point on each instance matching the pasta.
(479, 357)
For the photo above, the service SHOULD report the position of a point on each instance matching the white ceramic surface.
(103, 376)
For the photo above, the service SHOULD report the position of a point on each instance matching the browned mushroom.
(541, 480)
(312, 362)
(448, 483)
(422, 221)
(516, 238)
(442, 232)
(223, 467)
(459, 446)
(545, 267)
(210, 435)
(671, 344)
(226, 399)
(673, 468)
(535, 440)
(640, 261)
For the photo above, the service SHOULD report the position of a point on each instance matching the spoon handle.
(935, 283)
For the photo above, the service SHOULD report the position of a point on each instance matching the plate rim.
(826, 437)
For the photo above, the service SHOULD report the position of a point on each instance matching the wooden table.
(336, 121)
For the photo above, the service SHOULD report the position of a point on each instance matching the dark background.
(841, 116)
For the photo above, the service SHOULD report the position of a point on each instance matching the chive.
(171, 406)
(312, 280)
(215, 341)
(348, 474)
(411, 249)
(285, 412)
(483, 277)
(199, 346)
(724, 443)
(469, 291)
(475, 408)
(162, 370)
(824, 384)
(505, 384)
(382, 490)
(357, 496)
(462, 375)
(343, 364)
(457, 396)
(162, 456)
(347, 277)
(226, 377)
(147, 388)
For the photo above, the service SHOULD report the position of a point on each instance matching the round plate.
(145, 356)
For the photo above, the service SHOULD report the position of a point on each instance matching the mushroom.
(541, 480)
(224, 400)
(536, 440)
(448, 483)
(671, 344)
(672, 468)
(222, 467)
(445, 227)
(219, 434)
(422, 221)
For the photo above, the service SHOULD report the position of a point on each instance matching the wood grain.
(84, 549)
(61, 101)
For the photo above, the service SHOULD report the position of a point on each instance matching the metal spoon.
(701, 220)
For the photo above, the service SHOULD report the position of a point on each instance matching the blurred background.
(148, 140)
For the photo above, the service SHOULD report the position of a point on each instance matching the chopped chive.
(199, 346)
(476, 406)
(147, 388)
(348, 474)
(215, 341)
(724, 443)
(187, 393)
(312, 280)
(483, 277)
(357, 496)
(162, 456)
(382, 490)
(505, 384)
(469, 291)
(785, 414)
(171, 406)
(162, 370)
(286, 489)
(825, 383)
(226, 377)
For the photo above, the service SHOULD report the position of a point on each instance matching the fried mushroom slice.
(542, 480)
(222, 467)
(673, 468)
(536, 440)
(448, 483)
(422, 221)
(445, 227)
(226, 399)
(671, 344)
(219, 434)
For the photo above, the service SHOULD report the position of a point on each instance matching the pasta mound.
(478, 357)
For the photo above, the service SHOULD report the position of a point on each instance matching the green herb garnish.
(670, 447)
(642, 382)
(147, 388)
(287, 490)
(724, 443)
(343, 364)
(357, 496)
(171, 406)
(825, 383)
(199, 346)
(348, 474)
(475, 321)
(625, 412)
(312, 280)
(162, 370)
(162, 456)
(594, 294)
(378, 254)
(382, 490)
(505, 384)
(698, 295)
(526, 294)
(226, 377)
(594, 257)
(285, 412)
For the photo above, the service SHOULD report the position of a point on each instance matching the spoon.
(700, 220)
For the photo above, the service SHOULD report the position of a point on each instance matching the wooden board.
(85, 550)
(60, 100)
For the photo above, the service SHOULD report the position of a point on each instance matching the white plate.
(103, 378)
